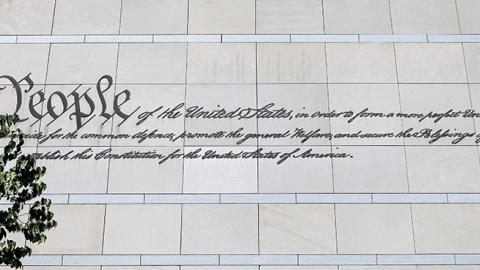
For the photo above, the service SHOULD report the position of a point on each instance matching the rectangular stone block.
(81, 63)
(157, 229)
(221, 63)
(374, 229)
(152, 63)
(84, 226)
(220, 175)
(154, 17)
(371, 169)
(31, 17)
(221, 17)
(358, 17)
(420, 17)
(220, 229)
(361, 63)
(87, 17)
(291, 63)
(297, 229)
(446, 228)
(430, 63)
(299, 17)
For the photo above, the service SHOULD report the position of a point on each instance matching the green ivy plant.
(20, 188)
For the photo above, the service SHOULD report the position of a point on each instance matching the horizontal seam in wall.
(233, 38)
(254, 259)
(264, 198)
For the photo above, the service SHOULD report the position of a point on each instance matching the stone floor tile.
(22, 60)
(30, 17)
(142, 229)
(81, 63)
(292, 97)
(297, 229)
(70, 176)
(220, 229)
(472, 60)
(145, 176)
(357, 17)
(295, 175)
(374, 229)
(154, 17)
(424, 17)
(87, 17)
(221, 17)
(220, 175)
(468, 15)
(436, 98)
(221, 63)
(215, 97)
(145, 99)
(361, 97)
(446, 228)
(360, 63)
(430, 63)
(152, 63)
(287, 17)
(291, 63)
(372, 169)
(443, 169)
(84, 226)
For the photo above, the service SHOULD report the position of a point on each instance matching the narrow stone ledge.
(106, 198)
(188, 38)
(182, 198)
(334, 198)
(416, 259)
(393, 38)
(119, 38)
(43, 260)
(8, 39)
(453, 38)
(337, 259)
(409, 198)
(51, 39)
(257, 198)
(57, 198)
(463, 198)
(324, 38)
(227, 38)
(258, 259)
(124, 260)
(256, 38)
(467, 259)
(179, 259)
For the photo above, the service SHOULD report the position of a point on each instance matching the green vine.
(20, 187)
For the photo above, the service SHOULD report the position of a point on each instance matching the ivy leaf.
(21, 184)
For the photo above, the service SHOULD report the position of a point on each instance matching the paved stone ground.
(400, 204)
